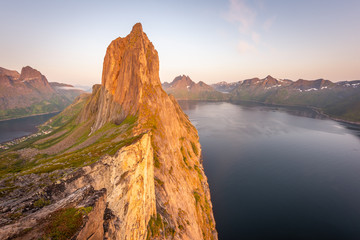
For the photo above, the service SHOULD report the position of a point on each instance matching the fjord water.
(276, 175)
(15, 128)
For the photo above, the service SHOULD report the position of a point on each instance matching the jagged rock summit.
(127, 152)
(131, 66)
(131, 87)
(130, 79)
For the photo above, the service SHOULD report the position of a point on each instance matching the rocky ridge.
(126, 157)
(183, 88)
(30, 93)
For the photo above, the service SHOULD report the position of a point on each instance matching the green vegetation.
(41, 203)
(158, 181)
(155, 226)
(15, 215)
(169, 232)
(196, 196)
(181, 227)
(65, 124)
(195, 149)
(157, 163)
(197, 169)
(341, 103)
(64, 223)
(104, 144)
(156, 160)
(54, 104)
(184, 157)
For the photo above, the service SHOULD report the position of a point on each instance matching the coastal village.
(7, 145)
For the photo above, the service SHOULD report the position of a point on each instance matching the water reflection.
(278, 173)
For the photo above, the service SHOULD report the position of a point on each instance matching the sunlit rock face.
(154, 185)
(131, 86)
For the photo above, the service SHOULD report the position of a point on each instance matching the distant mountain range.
(29, 93)
(225, 87)
(340, 100)
(183, 88)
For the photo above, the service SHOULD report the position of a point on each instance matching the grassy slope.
(54, 104)
(78, 154)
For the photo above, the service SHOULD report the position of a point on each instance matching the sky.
(210, 41)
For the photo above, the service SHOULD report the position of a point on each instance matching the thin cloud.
(269, 22)
(251, 27)
(240, 13)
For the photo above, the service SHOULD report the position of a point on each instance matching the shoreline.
(39, 114)
(317, 110)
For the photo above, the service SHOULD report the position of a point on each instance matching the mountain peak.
(131, 64)
(269, 77)
(131, 88)
(137, 28)
(29, 72)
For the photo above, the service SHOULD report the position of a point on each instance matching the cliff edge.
(126, 159)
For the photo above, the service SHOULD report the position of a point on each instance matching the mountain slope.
(183, 88)
(28, 93)
(338, 100)
(126, 157)
(66, 90)
(225, 87)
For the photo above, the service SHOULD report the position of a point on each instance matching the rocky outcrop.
(34, 79)
(139, 156)
(131, 86)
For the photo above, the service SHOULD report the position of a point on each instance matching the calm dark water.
(21, 127)
(276, 175)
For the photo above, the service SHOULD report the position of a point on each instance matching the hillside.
(183, 88)
(338, 100)
(29, 93)
(225, 87)
(66, 90)
(121, 163)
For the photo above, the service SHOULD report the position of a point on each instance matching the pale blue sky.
(210, 41)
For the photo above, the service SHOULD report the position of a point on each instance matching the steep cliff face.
(131, 86)
(128, 153)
